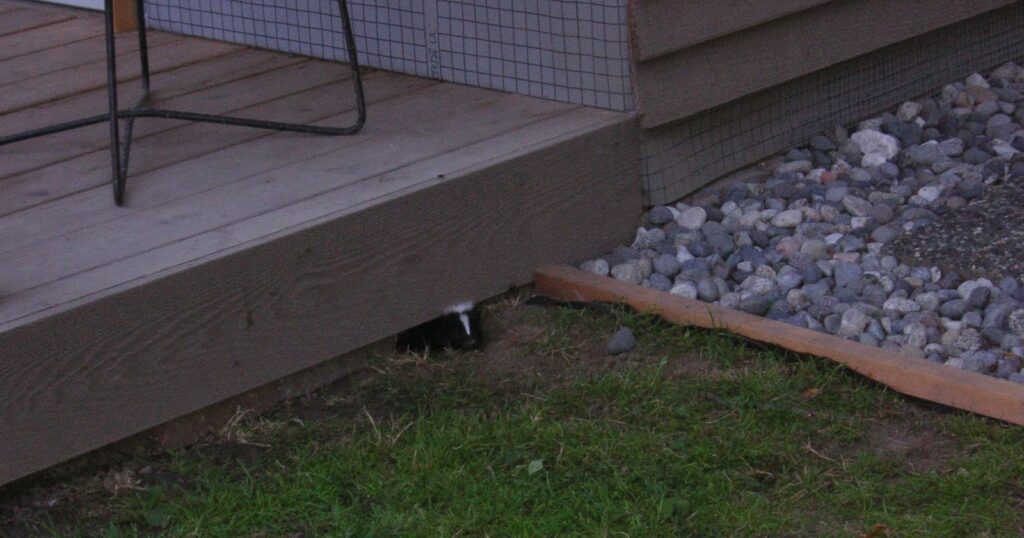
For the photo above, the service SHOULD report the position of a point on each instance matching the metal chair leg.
(120, 142)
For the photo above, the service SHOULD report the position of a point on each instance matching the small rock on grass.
(621, 342)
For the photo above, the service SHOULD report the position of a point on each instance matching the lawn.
(694, 433)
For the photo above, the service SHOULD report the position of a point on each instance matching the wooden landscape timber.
(977, 393)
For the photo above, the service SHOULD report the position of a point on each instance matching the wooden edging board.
(981, 394)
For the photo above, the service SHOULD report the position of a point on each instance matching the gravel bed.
(904, 233)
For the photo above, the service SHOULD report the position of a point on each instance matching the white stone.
(692, 218)
(977, 81)
(686, 289)
(853, 322)
(1003, 150)
(916, 334)
(797, 298)
(908, 111)
(648, 238)
(788, 218)
(900, 305)
(872, 142)
(930, 193)
(966, 287)
(628, 272)
(872, 160)
(598, 267)
(859, 222)
(758, 285)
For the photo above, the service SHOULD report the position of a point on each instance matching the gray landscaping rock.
(857, 207)
(667, 264)
(660, 215)
(846, 272)
(692, 218)
(787, 219)
(820, 243)
(623, 341)
(755, 304)
(598, 267)
(1015, 322)
(628, 272)
(685, 288)
(852, 323)
(660, 282)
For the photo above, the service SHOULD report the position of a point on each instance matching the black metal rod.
(120, 143)
(55, 128)
(117, 177)
(140, 27)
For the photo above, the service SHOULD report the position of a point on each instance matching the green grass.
(763, 444)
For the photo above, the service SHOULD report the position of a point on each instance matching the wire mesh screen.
(574, 51)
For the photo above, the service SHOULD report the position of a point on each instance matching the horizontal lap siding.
(660, 29)
(682, 156)
(682, 83)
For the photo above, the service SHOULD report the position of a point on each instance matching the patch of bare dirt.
(919, 449)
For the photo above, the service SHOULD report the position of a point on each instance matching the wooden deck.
(243, 256)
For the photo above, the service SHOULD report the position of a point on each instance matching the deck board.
(23, 19)
(56, 35)
(86, 194)
(244, 81)
(52, 86)
(243, 256)
(91, 50)
(246, 184)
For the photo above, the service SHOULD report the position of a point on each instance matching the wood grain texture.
(697, 78)
(69, 195)
(156, 349)
(91, 76)
(54, 35)
(81, 288)
(663, 26)
(245, 180)
(26, 18)
(231, 83)
(984, 395)
(247, 80)
(91, 50)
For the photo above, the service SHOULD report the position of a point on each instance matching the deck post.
(124, 15)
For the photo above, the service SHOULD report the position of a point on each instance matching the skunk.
(458, 328)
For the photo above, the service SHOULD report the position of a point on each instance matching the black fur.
(445, 332)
